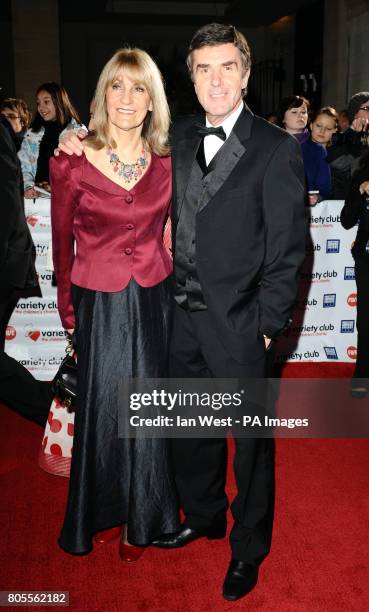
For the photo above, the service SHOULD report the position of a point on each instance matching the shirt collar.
(228, 124)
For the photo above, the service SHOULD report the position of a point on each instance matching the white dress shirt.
(212, 143)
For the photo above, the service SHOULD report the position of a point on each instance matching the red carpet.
(319, 559)
(324, 369)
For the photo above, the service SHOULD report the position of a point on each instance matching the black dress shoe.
(240, 580)
(186, 535)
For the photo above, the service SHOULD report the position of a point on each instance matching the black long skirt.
(118, 480)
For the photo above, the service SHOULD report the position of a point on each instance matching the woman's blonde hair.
(139, 67)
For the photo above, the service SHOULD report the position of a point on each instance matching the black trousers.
(362, 322)
(19, 390)
(200, 465)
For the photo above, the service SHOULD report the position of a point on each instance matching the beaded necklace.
(129, 172)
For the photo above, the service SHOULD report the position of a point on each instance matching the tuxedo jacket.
(17, 251)
(251, 227)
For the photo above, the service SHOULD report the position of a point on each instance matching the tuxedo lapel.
(222, 165)
(227, 157)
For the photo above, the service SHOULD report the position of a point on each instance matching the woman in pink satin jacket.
(109, 209)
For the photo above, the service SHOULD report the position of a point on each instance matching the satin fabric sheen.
(119, 233)
(118, 480)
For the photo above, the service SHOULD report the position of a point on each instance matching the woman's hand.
(364, 187)
(45, 185)
(71, 143)
(31, 194)
(313, 200)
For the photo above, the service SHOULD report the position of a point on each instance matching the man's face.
(219, 80)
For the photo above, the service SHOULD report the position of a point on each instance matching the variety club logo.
(352, 352)
(319, 277)
(329, 300)
(36, 307)
(32, 334)
(333, 246)
(313, 248)
(324, 220)
(41, 249)
(330, 352)
(46, 335)
(45, 278)
(32, 220)
(305, 303)
(10, 333)
(347, 327)
(349, 273)
(352, 300)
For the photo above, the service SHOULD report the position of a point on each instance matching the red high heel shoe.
(108, 535)
(128, 552)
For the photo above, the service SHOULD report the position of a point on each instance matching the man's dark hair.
(214, 34)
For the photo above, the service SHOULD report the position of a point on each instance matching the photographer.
(356, 209)
(347, 147)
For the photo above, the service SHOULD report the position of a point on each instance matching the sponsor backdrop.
(323, 325)
(34, 335)
(324, 319)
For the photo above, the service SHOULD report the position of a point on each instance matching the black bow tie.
(208, 131)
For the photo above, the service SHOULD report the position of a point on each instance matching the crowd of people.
(236, 264)
(332, 142)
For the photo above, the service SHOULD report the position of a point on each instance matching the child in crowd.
(55, 112)
(324, 123)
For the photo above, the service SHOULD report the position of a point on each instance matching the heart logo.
(34, 335)
(32, 220)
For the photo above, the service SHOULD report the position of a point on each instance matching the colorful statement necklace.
(129, 172)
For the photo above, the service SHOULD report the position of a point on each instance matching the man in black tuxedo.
(239, 228)
(18, 388)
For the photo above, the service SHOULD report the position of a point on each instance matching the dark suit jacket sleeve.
(285, 218)
(10, 192)
(353, 207)
(62, 216)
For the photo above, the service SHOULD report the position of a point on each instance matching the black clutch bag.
(64, 385)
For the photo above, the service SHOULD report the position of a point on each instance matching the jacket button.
(129, 199)
(129, 226)
(128, 251)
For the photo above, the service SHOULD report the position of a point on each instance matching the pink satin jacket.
(104, 235)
